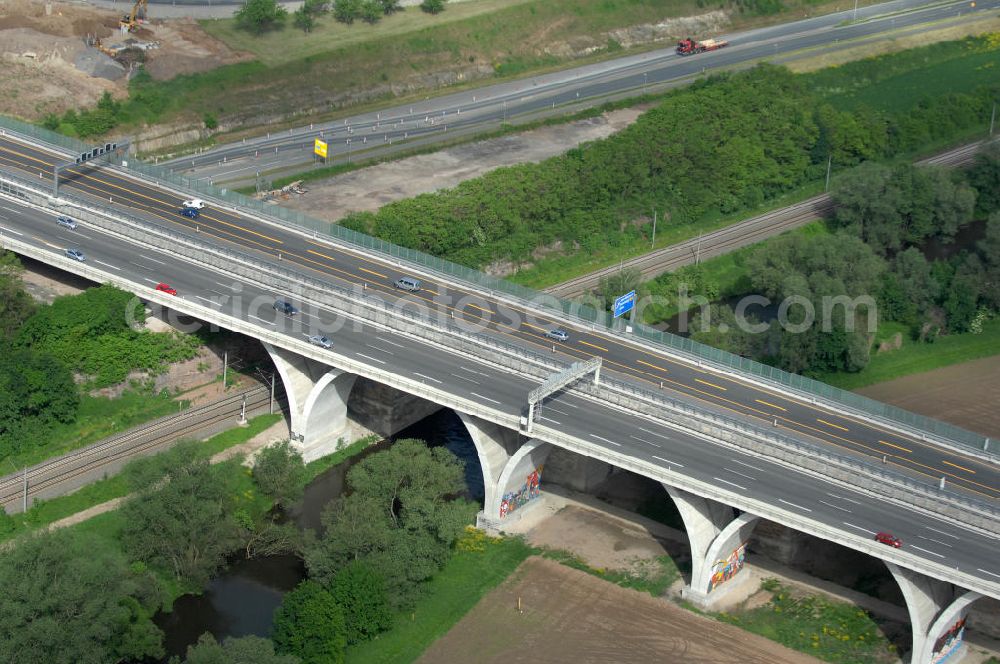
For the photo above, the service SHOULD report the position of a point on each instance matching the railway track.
(68, 472)
(747, 232)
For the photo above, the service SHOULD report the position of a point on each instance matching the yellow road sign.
(320, 148)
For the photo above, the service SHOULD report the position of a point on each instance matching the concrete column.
(512, 470)
(718, 545)
(937, 615)
(317, 401)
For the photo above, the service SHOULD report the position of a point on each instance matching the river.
(241, 601)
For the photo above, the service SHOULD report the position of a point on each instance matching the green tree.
(984, 176)
(989, 249)
(361, 593)
(618, 283)
(181, 517)
(346, 11)
(303, 19)
(242, 650)
(432, 6)
(390, 6)
(399, 518)
(371, 11)
(257, 16)
(36, 391)
(70, 598)
(210, 121)
(280, 473)
(16, 305)
(51, 121)
(310, 625)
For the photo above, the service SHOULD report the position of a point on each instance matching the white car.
(195, 203)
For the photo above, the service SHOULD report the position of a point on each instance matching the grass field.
(915, 357)
(480, 564)
(832, 631)
(99, 418)
(45, 512)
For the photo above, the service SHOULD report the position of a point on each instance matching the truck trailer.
(690, 46)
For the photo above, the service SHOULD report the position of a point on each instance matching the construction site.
(59, 56)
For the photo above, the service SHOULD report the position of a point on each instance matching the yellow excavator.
(129, 21)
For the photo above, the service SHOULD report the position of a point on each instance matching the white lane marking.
(484, 398)
(743, 463)
(653, 433)
(864, 530)
(391, 343)
(643, 440)
(781, 500)
(218, 304)
(478, 373)
(566, 403)
(151, 259)
(594, 435)
(980, 569)
(144, 267)
(833, 495)
(380, 349)
(556, 410)
(210, 290)
(8, 230)
(668, 461)
(931, 539)
(107, 264)
(268, 322)
(302, 313)
(229, 286)
(734, 472)
(152, 281)
(369, 357)
(86, 237)
(549, 419)
(474, 382)
(11, 209)
(435, 380)
(941, 532)
(836, 507)
(730, 483)
(933, 553)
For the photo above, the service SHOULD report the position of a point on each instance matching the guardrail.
(675, 413)
(686, 349)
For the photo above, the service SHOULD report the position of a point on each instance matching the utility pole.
(652, 242)
(24, 499)
(993, 117)
(855, 11)
(225, 369)
(270, 406)
(829, 165)
(243, 410)
(697, 253)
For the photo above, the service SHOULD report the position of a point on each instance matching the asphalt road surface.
(857, 515)
(431, 121)
(714, 391)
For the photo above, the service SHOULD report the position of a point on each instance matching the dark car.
(191, 213)
(889, 540)
(285, 307)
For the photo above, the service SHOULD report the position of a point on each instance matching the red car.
(166, 288)
(889, 540)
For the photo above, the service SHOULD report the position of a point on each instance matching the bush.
(361, 593)
(280, 473)
(432, 6)
(310, 625)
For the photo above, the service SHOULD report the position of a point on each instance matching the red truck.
(690, 47)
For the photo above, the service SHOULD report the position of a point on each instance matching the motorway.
(740, 477)
(730, 238)
(423, 123)
(708, 389)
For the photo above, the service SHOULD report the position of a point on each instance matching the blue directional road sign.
(624, 304)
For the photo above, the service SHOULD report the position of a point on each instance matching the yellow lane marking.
(955, 465)
(831, 424)
(46, 242)
(476, 306)
(377, 274)
(535, 327)
(705, 382)
(651, 365)
(316, 253)
(768, 403)
(898, 447)
(586, 343)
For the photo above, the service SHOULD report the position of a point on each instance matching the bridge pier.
(937, 615)
(512, 470)
(317, 401)
(718, 546)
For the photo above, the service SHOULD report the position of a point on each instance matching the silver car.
(66, 222)
(322, 342)
(76, 255)
(558, 335)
